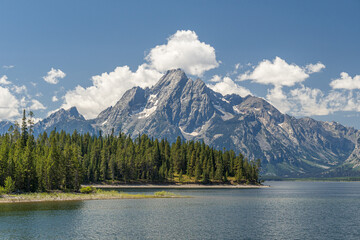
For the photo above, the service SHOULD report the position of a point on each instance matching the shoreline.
(114, 194)
(60, 197)
(176, 186)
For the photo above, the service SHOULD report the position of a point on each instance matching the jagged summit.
(67, 120)
(71, 113)
(170, 79)
(178, 106)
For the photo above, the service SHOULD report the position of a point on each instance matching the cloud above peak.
(183, 50)
(54, 75)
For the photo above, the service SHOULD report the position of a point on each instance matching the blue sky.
(302, 56)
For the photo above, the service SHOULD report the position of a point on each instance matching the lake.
(287, 210)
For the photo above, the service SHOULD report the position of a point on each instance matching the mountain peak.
(69, 113)
(74, 112)
(171, 78)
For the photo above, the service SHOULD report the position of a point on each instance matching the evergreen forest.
(63, 161)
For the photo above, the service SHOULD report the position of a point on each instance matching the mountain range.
(179, 106)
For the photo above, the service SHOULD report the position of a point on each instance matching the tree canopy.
(63, 161)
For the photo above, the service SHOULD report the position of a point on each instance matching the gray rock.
(178, 106)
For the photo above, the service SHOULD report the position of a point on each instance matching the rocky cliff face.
(179, 106)
(67, 120)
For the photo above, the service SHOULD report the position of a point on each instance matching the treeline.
(64, 161)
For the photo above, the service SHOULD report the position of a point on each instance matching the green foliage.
(2, 190)
(87, 190)
(164, 194)
(62, 161)
(9, 185)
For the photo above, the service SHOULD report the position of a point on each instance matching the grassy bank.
(97, 195)
(177, 186)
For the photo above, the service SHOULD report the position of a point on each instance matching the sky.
(301, 56)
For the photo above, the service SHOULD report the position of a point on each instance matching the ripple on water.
(287, 210)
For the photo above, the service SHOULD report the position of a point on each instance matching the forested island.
(63, 161)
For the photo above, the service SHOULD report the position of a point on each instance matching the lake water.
(287, 210)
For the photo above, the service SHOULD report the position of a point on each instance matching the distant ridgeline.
(64, 161)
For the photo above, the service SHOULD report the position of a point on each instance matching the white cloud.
(8, 105)
(183, 50)
(346, 82)
(54, 99)
(278, 73)
(8, 66)
(216, 78)
(108, 88)
(314, 68)
(19, 89)
(36, 105)
(278, 98)
(308, 101)
(23, 102)
(305, 101)
(4, 81)
(228, 86)
(54, 75)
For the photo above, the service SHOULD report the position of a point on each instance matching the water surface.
(287, 210)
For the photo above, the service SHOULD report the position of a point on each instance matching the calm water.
(287, 210)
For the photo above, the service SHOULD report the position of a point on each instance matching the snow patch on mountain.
(147, 112)
(194, 133)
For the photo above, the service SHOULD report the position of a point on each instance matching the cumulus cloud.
(346, 82)
(8, 105)
(277, 72)
(183, 50)
(216, 78)
(19, 89)
(305, 101)
(278, 98)
(314, 68)
(4, 81)
(36, 105)
(301, 101)
(108, 88)
(227, 86)
(280, 74)
(308, 101)
(54, 99)
(54, 75)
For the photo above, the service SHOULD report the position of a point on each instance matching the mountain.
(179, 106)
(67, 120)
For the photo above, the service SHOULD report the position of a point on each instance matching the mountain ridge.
(179, 106)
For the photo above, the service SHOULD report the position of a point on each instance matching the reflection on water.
(287, 210)
(25, 208)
